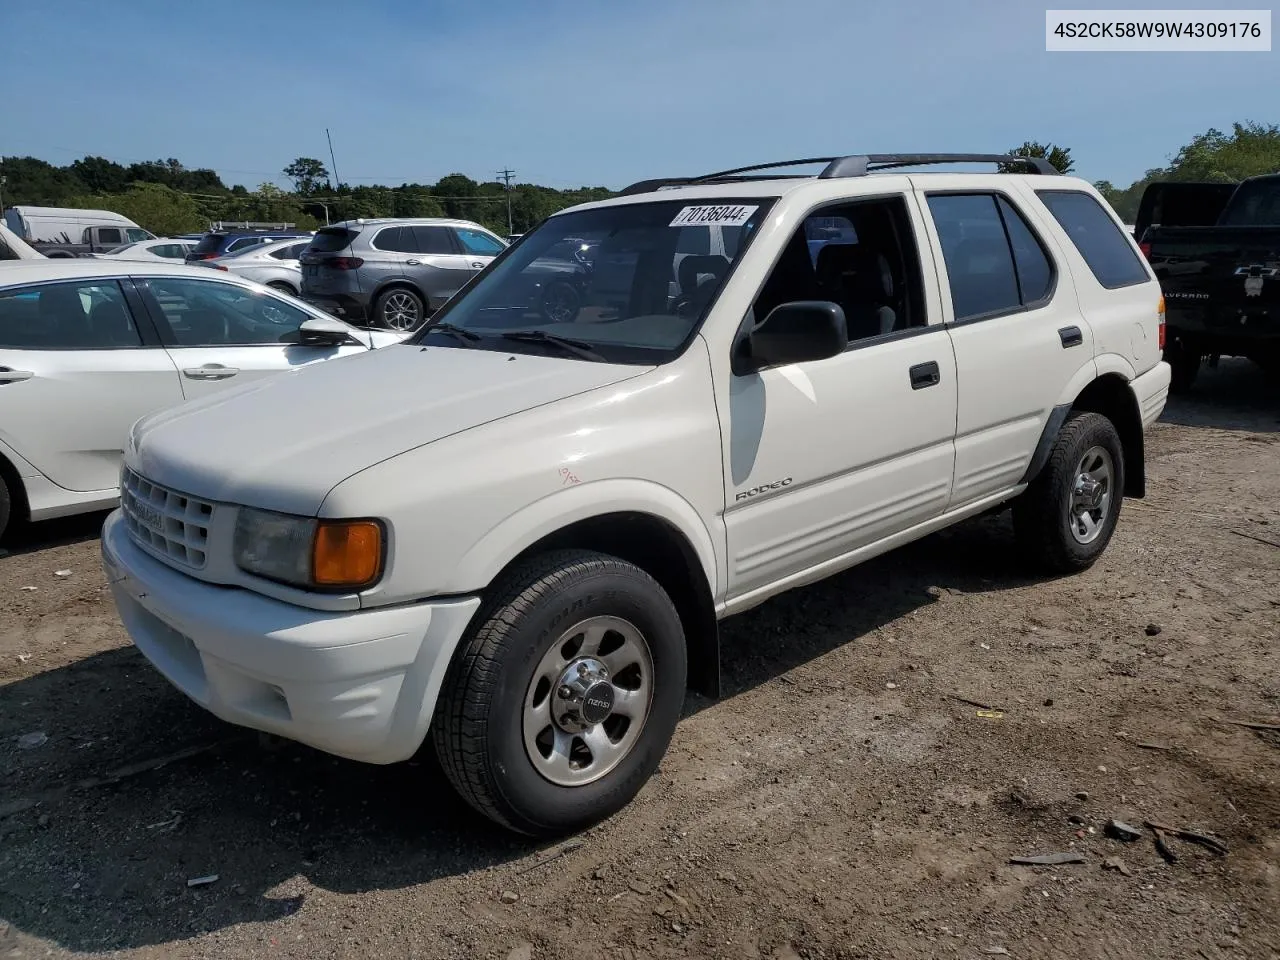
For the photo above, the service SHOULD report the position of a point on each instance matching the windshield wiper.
(466, 337)
(576, 347)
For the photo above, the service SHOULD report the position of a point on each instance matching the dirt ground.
(837, 803)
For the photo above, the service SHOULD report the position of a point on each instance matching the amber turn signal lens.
(346, 553)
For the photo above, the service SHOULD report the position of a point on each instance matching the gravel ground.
(838, 802)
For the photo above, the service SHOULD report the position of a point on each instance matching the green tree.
(1060, 157)
(1213, 156)
(152, 206)
(308, 175)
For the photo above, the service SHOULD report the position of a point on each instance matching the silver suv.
(393, 273)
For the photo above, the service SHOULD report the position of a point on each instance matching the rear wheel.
(398, 309)
(563, 697)
(1065, 518)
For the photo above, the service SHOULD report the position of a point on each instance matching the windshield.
(633, 282)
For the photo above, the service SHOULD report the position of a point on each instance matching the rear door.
(221, 333)
(78, 365)
(1012, 313)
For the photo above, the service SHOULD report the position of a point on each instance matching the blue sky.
(571, 93)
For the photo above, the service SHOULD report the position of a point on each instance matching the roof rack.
(855, 165)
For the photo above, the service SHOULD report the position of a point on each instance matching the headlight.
(306, 552)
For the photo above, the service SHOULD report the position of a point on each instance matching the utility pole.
(333, 161)
(506, 176)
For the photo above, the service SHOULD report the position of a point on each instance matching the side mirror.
(798, 332)
(323, 332)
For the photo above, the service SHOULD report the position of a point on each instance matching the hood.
(283, 442)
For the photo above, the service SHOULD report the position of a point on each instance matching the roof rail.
(855, 165)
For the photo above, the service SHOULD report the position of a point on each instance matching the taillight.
(343, 263)
(1146, 250)
(1160, 313)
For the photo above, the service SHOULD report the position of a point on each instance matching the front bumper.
(360, 685)
(1151, 390)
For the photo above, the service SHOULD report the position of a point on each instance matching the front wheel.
(562, 699)
(1065, 518)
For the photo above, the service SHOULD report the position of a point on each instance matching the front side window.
(860, 255)
(480, 244)
(66, 316)
(206, 313)
(613, 279)
(135, 235)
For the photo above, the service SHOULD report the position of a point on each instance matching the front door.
(220, 334)
(76, 371)
(826, 457)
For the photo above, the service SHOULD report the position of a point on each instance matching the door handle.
(1070, 336)
(9, 375)
(210, 372)
(478, 266)
(413, 263)
(925, 375)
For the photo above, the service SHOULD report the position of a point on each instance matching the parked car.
(1221, 281)
(220, 243)
(89, 346)
(394, 273)
(516, 537)
(70, 232)
(163, 249)
(274, 263)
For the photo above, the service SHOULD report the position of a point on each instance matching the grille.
(168, 523)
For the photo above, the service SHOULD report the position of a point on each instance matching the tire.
(516, 656)
(1048, 516)
(1184, 365)
(282, 287)
(399, 308)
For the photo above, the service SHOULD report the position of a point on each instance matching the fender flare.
(489, 555)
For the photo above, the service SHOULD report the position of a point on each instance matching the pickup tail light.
(343, 263)
(1146, 250)
(1160, 313)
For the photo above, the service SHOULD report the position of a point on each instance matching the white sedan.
(163, 249)
(88, 346)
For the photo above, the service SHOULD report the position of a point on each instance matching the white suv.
(517, 537)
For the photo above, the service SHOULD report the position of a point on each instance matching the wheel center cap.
(1090, 492)
(597, 704)
(584, 697)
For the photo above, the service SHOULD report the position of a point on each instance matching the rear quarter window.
(1100, 240)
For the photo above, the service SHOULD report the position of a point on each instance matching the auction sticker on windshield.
(721, 215)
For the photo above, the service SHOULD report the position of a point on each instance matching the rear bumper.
(1151, 390)
(360, 685)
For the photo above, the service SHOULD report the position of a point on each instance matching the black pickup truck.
(1215, 249)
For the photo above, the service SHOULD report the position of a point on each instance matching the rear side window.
(288, 251)
(243, 243)
(331, 240)
(66, 316)
(396, 240)
(995, 264)
(1101, 242)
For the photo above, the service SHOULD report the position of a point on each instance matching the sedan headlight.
(308, 552)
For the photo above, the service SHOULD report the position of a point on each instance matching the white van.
(70, 231)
